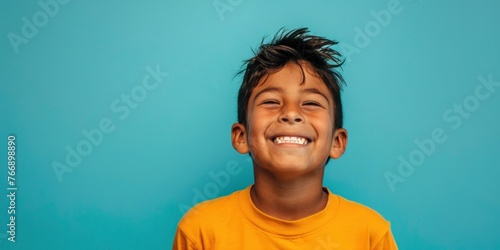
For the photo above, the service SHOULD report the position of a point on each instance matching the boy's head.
(293, 47)
(289, 105)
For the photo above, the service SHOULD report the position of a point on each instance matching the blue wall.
(122, 115)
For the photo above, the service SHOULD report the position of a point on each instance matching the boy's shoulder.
(354, 207)
(356, 214)
(206, 213)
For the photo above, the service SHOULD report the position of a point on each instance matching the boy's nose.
(291, 115)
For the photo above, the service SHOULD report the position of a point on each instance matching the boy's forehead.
(301, 74)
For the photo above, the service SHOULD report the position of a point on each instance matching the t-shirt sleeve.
(387, 242)
(182, 242)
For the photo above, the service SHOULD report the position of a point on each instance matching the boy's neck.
(289, 200)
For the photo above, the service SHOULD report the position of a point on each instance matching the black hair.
(293, 46)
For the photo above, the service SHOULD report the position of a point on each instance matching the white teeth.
(290, 139)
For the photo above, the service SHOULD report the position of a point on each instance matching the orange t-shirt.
(233, 222)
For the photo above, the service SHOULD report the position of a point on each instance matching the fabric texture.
(233, 222)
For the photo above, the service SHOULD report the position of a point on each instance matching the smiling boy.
(290, 122)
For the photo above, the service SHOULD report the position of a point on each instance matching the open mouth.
(291, 140)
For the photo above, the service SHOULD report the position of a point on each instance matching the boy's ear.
(239, 138)
(339, 143)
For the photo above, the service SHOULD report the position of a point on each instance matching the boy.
(290, 122)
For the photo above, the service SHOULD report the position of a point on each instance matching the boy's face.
(290, 124)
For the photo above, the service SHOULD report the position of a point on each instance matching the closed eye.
(312, 103)
(270, 102)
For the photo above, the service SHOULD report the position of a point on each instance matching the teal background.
(130, 190)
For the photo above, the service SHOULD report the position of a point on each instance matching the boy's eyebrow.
(315, 91)
(270, 89)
